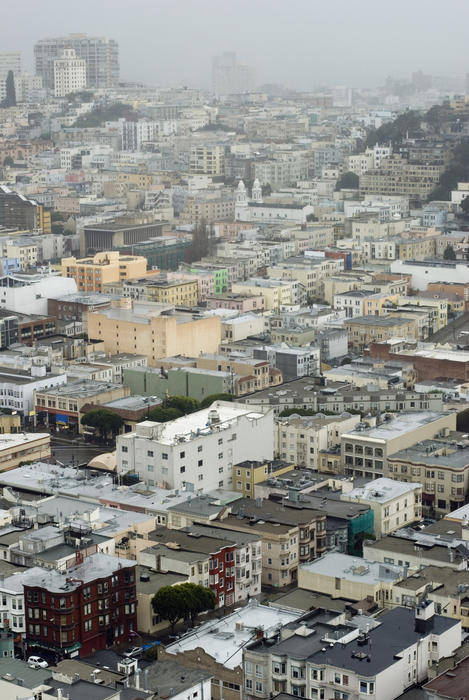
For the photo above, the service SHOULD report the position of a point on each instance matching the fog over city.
(302, 43)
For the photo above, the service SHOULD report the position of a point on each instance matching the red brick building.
(87, 608)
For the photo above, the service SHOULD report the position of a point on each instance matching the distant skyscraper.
(100, 54)
(230, 77)
(9, 60)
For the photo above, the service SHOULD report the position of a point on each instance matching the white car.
(37, 662)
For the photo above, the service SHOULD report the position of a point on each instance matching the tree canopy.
(208, 400)
(99, 115)
(348, 181)
(104, 420)
(10, 91)
(176, 406)
(187, 600)
(449, 253)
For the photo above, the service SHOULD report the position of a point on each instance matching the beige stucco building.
(109, 266)
(139, 327)
(344, 576)
(395, 504)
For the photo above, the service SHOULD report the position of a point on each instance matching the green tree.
(465, 205)
(104, 420)
(358, 540)
(348, 181)
(8, 161)
(449, 253)
(199, 599)
(162, 415)
(311, 217)
(208, 400)
(10, 94)
(171, 603)
(184, 404)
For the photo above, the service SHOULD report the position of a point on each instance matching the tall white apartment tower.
(69, 73)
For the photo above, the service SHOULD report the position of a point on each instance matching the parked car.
(133, 653)
(37, 662)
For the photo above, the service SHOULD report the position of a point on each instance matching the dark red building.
(82, 610)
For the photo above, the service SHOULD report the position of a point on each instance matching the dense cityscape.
(234, 383)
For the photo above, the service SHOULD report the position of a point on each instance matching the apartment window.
(124, 448)
(164, 455)
(182, 469)
(182, 454)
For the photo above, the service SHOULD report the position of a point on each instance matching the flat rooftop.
(381, 490)
(225, 639)
(434, 452)
(344, 566)
(451, 684)
(95, 566)
(10, 441)
(398, 425)
(80, 390)
(185, 428)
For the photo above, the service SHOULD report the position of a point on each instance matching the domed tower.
(241, 195)
(257, 191)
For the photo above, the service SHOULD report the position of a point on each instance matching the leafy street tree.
(161, 415)
(465, 205)
(188, 600)
(104, 420)
(199, 599)
(170, 604)
(184, 404)
(348, 181)
(208, 400)
(10, 95)
(8, 161)
(449, 253)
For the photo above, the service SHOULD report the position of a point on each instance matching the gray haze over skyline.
(300, 43)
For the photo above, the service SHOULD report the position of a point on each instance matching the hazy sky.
(300, 43)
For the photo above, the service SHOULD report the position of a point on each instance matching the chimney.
(424, 616)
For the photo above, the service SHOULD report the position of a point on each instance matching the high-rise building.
(9, 60)
(19, 212)
(69, 73)
(230, 77)
(100, 54)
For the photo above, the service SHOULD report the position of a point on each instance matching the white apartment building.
(28, 294)
(69, 73)
(17, 388)
(350, 302)
(395, 504)
(12, 599)
(197, 451)
(324, 656)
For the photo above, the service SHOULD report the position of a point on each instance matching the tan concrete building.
(300, 440)
(364, 330)
(207, 159)
(344, 576)
(276, 293)
(9, 423)
(180, 292)
(91, 273)
(60, 407)
(397, 176)
(139, 327)
(366, 449)
(247, 474)
(443, 585)
(24, 447)
(440, 465)
(395, 504)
